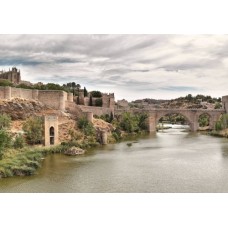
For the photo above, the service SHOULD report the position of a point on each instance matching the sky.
(131, 66)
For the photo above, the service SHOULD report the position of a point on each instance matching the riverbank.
(222, 133)
(26, 161)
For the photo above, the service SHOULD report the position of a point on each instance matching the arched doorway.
(52, 135)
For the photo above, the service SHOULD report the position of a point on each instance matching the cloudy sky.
(131, 66)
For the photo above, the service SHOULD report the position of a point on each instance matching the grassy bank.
(26, 161)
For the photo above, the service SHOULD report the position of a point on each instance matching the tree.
(85, 92)
(33, 128)
(90, 101)
(98, 102)
(96, 94)
(129, 123)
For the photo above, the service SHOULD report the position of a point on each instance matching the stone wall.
(53, 98)
(96, 110)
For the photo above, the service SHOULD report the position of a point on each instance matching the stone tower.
(51, 130)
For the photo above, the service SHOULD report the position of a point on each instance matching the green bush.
(4, 82)
(218, 126)
(19, 142)
(218, 105)
(5, 121)
(5, 141)
(33, 128)
(86, 126)
(204, 120)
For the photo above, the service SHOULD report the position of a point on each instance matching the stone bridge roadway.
(191, 115)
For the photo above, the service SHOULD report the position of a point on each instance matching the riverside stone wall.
(53, 98)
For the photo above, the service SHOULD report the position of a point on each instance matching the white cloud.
(132, 66)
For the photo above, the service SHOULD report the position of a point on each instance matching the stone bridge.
(191, 115)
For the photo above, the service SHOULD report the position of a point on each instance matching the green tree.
(129, 123)
(5, 121)
(90, 101)
(96, 94)
(85, 92)
(98, 102)
(33, 128)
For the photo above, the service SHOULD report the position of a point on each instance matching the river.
(172, 160)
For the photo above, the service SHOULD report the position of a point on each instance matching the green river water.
(172, 160)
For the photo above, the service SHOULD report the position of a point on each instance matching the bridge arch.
(179, 112)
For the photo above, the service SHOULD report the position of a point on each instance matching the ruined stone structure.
(51, 130)
(13, 75)
(55, 99)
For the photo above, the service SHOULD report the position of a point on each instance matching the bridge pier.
(152, 124)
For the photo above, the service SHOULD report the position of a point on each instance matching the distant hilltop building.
(13, 75)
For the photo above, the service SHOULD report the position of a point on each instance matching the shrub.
(204, 120)
(4, 82)
(5, 121)
(86, 126)
(19, 142)
(218, 126)
(218, 105)
(5, 141)
(33, 128)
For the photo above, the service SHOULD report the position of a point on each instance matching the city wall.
(53, 98)
(96, 110)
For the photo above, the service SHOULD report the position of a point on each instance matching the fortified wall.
(108, 100)
(55, 99)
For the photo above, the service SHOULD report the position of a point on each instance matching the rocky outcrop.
(74, 151)
(20, 109)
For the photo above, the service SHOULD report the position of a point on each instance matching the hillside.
(187, 102)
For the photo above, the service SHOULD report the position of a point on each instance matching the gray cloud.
(132, 66)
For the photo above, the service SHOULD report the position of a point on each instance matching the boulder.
(74, 151)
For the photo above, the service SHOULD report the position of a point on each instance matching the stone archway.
(187, 121)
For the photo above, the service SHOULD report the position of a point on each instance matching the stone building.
(13, 75)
